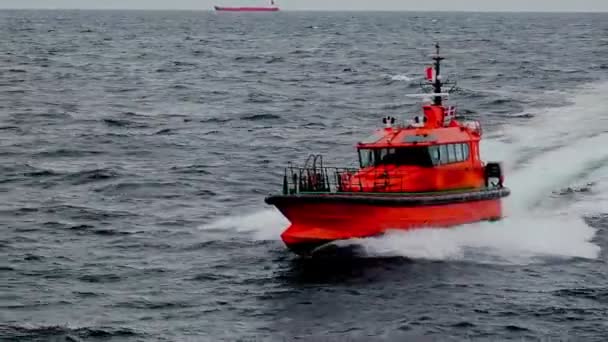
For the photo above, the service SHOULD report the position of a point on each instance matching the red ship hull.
(318, 220)
(246, 9)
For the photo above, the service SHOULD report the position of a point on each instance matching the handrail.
(339, 179)
(314, 177)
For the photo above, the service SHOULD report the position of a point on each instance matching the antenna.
(434, 83)
(437, 84)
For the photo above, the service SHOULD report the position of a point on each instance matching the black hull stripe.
(390, 200)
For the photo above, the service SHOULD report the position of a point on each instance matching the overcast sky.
(462, 5)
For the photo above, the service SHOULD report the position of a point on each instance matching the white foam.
(513, 240)
(263, 225)
(558, 147)
(594, 200)
(404, 78)
(553, 151)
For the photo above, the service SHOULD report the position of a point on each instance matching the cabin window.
(465, 152)
(443, 154)
(366, 158)
(416, 156)
(383, 154)
(435, 155)
(459, 155)
(452, 153)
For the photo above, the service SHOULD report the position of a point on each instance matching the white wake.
(559, 148)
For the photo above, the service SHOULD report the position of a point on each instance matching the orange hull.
(318, 223)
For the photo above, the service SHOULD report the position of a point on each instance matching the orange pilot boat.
(420, 174)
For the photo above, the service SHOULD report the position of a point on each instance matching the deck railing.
(314, 177)
(335, 179)
(318, 179)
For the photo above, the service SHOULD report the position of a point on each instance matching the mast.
(437, 84)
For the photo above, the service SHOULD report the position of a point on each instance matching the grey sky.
(462, 5)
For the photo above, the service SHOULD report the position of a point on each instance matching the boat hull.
(246, 9)
(318, 219)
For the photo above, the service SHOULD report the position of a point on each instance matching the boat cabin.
(420, 158)
(433, 152)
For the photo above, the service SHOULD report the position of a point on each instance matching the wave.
(78, 212)
(165, 131)
(89, 229)
(40, 173)
(52, 332)
(123, 123)
(191, 169)
(259, 117)
(259, 98)
(215, 120)
(275, 60)
(147, 187)
(10, 128)
(91, 176)
(403, 78)
(66, 152)
(598, 294)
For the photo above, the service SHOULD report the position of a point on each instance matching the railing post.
(360, 185)
(285, 184)
(296, 182)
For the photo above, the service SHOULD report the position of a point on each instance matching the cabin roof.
(404, 137)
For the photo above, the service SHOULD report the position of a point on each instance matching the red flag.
(430, 73)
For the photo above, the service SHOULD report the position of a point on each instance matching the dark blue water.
(137, 148)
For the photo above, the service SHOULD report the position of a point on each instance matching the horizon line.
(305, 10)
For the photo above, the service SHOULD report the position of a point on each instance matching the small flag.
(450, 114)
(430, 73)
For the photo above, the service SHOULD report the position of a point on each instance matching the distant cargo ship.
(271, 8)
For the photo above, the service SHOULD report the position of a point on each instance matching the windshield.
(425, 156)
(418, 156)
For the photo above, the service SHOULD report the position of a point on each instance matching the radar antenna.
(437, 84)
(434, 83)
